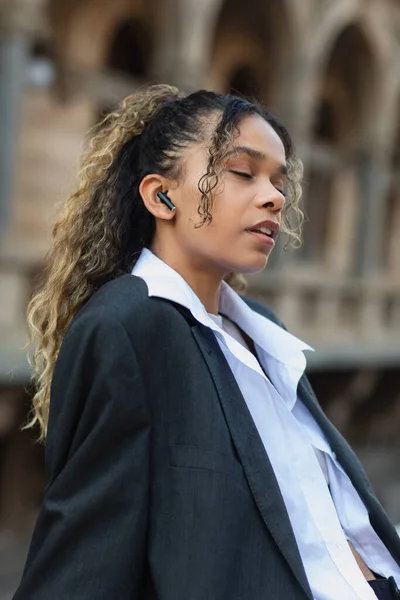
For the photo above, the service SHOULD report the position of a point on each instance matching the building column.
(182, 49)
(342, 219)
(19, 19)
(374, 177)
(393, 243)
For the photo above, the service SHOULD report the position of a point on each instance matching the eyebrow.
(256, 154)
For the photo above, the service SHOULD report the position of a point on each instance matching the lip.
(264, 239)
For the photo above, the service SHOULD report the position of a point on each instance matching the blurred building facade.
(330, 70)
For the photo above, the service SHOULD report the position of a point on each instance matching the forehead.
(256, 133)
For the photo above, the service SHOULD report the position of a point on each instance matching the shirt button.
(334, 455)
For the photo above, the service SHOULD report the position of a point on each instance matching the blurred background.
(331, 70)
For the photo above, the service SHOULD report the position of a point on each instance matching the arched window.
(326, 127)
(129, 50)
(244, 83)
(345, 94)
(391, 241)
(251, 48)
(128, 56)
(348, 83)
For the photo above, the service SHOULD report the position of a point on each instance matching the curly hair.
(106, 225)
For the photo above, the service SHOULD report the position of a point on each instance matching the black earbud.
(165, 200)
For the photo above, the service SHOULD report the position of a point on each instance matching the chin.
(246, 262)
(256, 265)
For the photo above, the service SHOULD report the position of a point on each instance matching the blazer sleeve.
(90, 537)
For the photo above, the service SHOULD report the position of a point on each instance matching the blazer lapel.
(258, 469)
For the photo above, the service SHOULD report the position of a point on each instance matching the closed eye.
(245, 175)
(242, 174)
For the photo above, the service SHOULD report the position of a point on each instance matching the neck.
(205, 284)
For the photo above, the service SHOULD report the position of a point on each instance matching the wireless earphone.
(165, 200)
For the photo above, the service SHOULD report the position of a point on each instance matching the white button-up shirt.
(322, 519)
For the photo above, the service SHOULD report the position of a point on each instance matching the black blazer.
(159, 485)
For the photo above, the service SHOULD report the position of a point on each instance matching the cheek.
(228, 212)
(222, 237)
(211, 239)
(188, 201)
(229, 215)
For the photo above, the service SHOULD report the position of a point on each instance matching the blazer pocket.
(195, 457)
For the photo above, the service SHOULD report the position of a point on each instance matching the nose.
(271, 198)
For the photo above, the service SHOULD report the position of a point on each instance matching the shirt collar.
(164, 282)
(272, 338)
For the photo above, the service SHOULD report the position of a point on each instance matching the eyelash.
(248, 177)
(244, 175)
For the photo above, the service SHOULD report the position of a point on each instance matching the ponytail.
(88, 242)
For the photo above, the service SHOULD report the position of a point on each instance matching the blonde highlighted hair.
(105, 224)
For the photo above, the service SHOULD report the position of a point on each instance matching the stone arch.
(107, 20)
(320, 43)
(243, 57)
(345, 99)
(253, 45)
(347, 89)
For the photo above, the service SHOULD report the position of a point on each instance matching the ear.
(148, 188)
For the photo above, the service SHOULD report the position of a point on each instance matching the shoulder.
(119, 295)
(124, 303)
(263, 309)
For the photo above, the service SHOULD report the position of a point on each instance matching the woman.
(187, 456)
